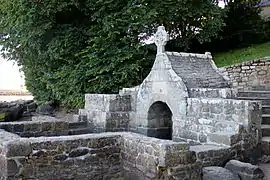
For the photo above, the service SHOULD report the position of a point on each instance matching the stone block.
(18, 127)
(245, 171)
(78, 152)
(220, 138)
(18, 148)
(12, 167)
(218, 173)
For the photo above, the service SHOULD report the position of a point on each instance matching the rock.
(245, 171)
(45, 109)
(218, 173)
(12, 113)
(79, 152)
(60, 157)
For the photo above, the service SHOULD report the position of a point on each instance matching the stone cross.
(161, 37)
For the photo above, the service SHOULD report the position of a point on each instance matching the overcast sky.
(10, 77)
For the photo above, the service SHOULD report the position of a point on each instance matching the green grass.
(241, 55)
(2, 116)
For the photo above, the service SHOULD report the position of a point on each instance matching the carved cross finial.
(161, 37)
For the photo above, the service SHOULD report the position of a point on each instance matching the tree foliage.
(69, 48)
(244, 26)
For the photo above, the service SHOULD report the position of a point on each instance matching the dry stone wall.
(75, 157)
(46, 127)
(216, 120)
(108, 112)
(224, 93)
(150, 158)
(106, 156)
(249, 74)
(96, 156)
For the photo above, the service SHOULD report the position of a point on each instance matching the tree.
(68, 48)
(244, 26)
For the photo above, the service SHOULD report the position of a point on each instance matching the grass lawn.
(241, 55)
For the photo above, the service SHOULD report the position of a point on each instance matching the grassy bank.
(241, 55)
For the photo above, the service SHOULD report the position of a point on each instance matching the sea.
(14, 98)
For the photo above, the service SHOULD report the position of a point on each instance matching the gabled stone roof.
(197, 70)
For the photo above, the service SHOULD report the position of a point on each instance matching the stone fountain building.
(184, 98)
(183, 117)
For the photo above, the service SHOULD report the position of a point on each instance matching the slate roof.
(197, 72)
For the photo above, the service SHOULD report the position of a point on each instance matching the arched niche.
(159, 121)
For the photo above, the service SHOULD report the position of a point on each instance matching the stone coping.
(6, 137)
(32, 122)
(127, 135)
(207, 147)
(207, 55)
(265, 59)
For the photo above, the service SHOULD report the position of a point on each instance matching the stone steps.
(266, 109)
(78, 131)
(257, 94)
(264, 100)
(266, 145)
(266, 119)
(265, 130)
(261, 94)
(80, 127)
(80, 124)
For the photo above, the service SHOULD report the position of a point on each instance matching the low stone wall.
(216, 120)
(150, 158)
(105, 156)
(5, 165)
(96, 156)
(46, 127)
(226, 93)
(108, 112)
(75, 157)
(249, 74)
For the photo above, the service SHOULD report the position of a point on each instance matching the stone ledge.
(207, 55)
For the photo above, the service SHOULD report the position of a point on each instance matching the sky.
(10, 76)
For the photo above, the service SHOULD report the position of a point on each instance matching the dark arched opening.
(159, 121)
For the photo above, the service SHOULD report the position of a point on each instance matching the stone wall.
(249, 74)
(149, 158)
(96, 156)
(108, 112)
(5, 165)
(47, 127)
(216, 120)
(225, 93)
(106, 156)
(75, 157)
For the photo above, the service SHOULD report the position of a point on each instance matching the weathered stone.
(245, 171)
(18, 148)
(45, 109)
(78, 152)
(60, 157)
(12, 113)
(218, 173)
(39, 153)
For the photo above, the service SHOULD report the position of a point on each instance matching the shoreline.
(7, 98)
(14, 93)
